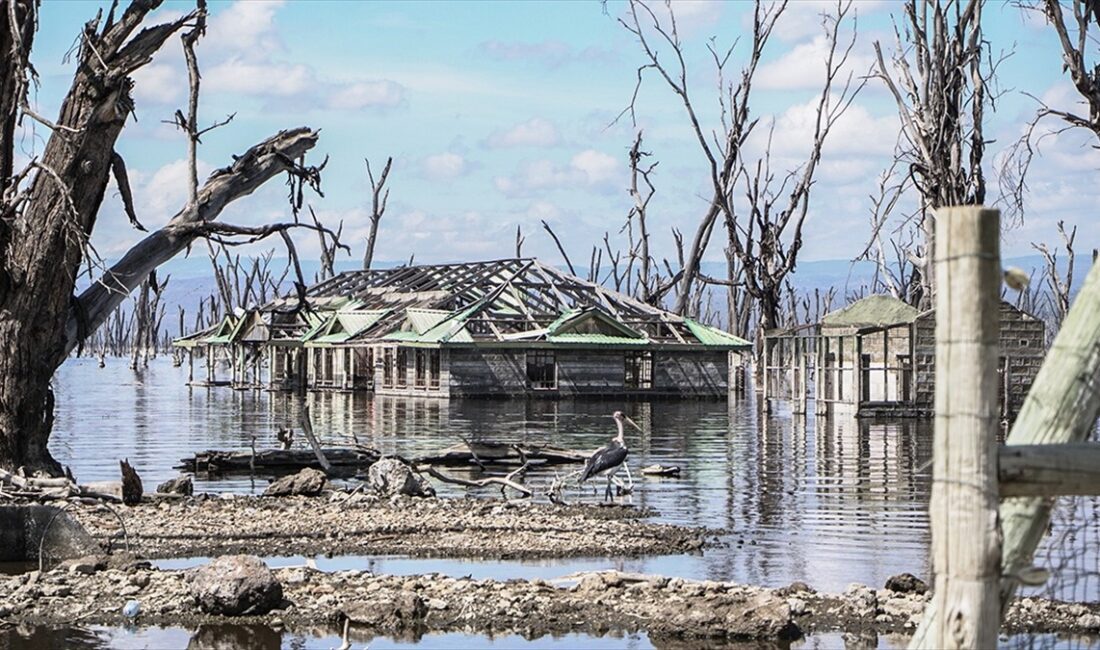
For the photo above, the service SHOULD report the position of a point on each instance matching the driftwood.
(280, 460)
(483, 453)
(307, 428)
(661, 470)
(131, 483)
(50, 489)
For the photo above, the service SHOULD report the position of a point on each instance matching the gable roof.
(872, 311)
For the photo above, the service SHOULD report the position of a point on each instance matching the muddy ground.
(340, 524)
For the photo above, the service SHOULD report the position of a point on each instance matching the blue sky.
(497, 115)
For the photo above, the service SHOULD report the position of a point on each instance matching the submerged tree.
(763, 212)
(939, 78)
(49, 208)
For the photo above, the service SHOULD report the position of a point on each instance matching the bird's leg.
(607, 493)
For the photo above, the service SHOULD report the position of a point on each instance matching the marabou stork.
(609, 459)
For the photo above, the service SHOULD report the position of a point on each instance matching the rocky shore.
(339, 523)
(132, 592)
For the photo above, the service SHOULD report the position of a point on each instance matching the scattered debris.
(661, 470)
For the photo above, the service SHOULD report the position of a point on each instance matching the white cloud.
(367, 94)
(261, 78)
(598, 167)
(856, 132)
(696, 15)
(301, 84)
(588, 169)
(802, 19)
(542, 211)
(444, 166)
(245, 28)
(535, 132)
(803, 67)
(237, 56)
(159, 83)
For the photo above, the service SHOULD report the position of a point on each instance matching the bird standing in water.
(609, 459)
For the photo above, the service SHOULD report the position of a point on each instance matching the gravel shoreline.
(593, 603)
(343, 524)
(669, 610)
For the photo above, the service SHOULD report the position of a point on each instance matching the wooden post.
(800, 399)
(764, 376)
(1062, 406)
(963, 511)
(857, 374)
(190, 366)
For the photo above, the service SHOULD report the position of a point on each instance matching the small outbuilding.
(877, 357)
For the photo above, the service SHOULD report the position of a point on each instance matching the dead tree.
(722, 151)
(1073, 40)
(766, 241)
(1060, 286)
(49, 210)
(939, 77)
(641, 193)
(380, 194)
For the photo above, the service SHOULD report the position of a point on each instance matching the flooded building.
(877, 357)
(509, 327)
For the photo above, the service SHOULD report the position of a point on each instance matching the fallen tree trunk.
(485, 453)
(279, 460)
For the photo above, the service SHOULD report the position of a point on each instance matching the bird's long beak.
(633, 424)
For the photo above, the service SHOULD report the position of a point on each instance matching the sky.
(499, 115)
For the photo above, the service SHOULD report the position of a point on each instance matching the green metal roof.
(573, 338)
(576, 317)
(422, 320)
(344, 325)
(712, 336)
(872, 311)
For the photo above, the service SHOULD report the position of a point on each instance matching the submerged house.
(508, 327)
(877, 356)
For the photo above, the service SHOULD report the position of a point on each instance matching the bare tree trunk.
(58, 212)
(380, 194)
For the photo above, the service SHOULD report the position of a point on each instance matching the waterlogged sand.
(340, 523)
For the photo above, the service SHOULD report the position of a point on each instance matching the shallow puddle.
(690, 567)
(241, 637)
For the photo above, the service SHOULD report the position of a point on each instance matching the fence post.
(1062, 406)
(966, 549)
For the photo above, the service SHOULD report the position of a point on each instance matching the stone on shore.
(390, 477)
(307, 483)
(405, 608)
(179, 485)
(236, 585)
(906, 583)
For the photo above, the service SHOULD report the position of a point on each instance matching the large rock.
(389, 476)
(179, 485)
(906, 583)
(401, 609)
(236, 585)
(308, 483)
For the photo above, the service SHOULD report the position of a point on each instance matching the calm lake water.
(824, 500)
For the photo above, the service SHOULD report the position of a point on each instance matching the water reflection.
(828, 501)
